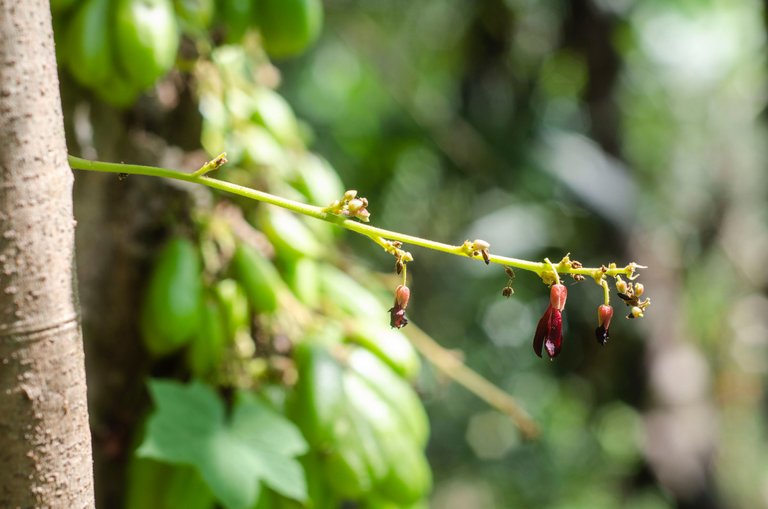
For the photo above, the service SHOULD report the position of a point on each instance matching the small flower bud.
(402, 295)
(480, 245)
(363, 215)
(355, 205)
(397, 317)
(604, 315)
(639, 289)
(557, 295)
(635, 312)
(349, 195)
(621, 286)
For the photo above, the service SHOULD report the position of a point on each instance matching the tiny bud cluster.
(549, 334)
(351, 205)
(630, 293)
(478, 247)
(549, 330)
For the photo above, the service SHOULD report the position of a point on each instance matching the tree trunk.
(45, 443)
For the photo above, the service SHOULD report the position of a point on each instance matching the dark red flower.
(397, 318)
(549, 331)
(397, 312)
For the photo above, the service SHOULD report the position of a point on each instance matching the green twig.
(372, 232)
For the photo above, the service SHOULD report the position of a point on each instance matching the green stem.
(554, 270)
(317, 212)
(606, 292)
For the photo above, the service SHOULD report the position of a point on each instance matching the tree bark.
(45, 443)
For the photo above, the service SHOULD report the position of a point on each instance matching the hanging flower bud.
(604, 315)
(557, 295)
(549, 332)
(397, 316)
(402, 295)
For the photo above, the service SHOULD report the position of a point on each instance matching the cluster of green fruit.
(227, 304)
(352, 400)
(118, 48)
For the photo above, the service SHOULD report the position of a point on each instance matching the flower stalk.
(542, 269)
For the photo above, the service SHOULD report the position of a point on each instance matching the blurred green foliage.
(623, 129)
(615, 130)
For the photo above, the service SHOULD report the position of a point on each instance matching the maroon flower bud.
(397, 317)
(604, 315)
(557, 295)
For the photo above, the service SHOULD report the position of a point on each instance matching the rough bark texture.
(45, 445)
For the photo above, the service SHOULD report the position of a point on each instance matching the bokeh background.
(614, 130)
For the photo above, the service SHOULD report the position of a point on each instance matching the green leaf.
(256, 444)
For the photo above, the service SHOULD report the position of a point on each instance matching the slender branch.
(376, 234)
(459, 372)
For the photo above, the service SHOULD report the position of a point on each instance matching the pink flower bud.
(557, 295)
(604, 315)
(363, 215)
(402, 294)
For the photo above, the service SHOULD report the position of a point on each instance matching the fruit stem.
(452, 367)
(372, 232)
